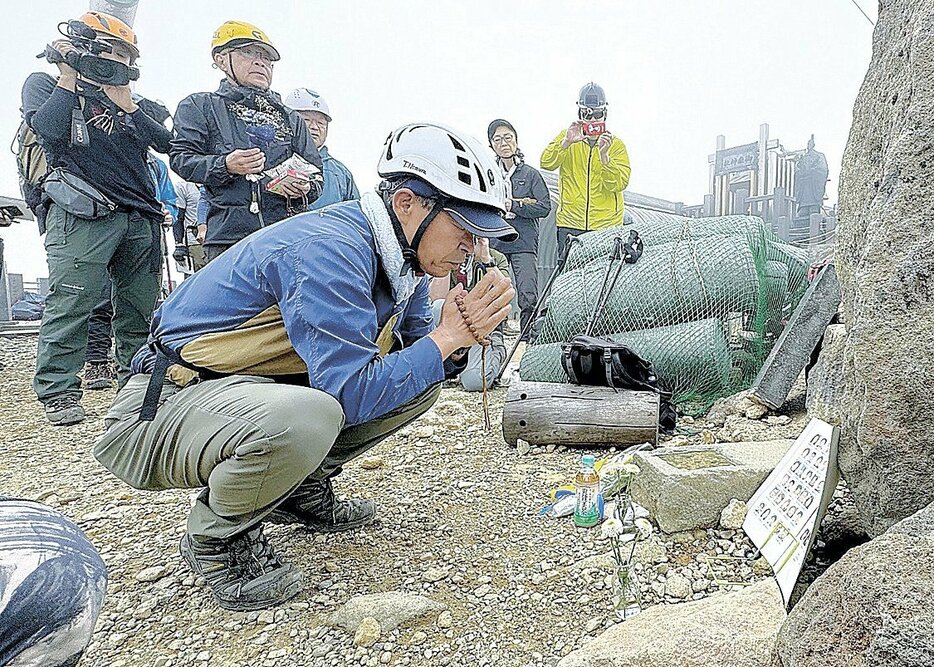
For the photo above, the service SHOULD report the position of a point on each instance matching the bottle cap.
(588, 460)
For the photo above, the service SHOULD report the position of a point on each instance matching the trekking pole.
(165, 262)
(559, 267)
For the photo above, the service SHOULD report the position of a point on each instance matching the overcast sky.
(676, 73)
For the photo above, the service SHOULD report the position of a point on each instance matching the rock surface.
(390, 610)
(875, 605)
(733, 515)
(826, 382)
(727, 630)
(688, 487)
(884, 258)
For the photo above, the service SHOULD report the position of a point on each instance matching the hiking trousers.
(79, 252)
(250, 441)
(524, 268)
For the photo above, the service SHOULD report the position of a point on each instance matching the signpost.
(737, 158)
(786, 510)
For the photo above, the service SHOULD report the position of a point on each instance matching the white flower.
(630, 468)
(644, 527)
(612, 527)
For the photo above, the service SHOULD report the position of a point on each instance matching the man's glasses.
(588, 113)
(255, 53)
(503, 138)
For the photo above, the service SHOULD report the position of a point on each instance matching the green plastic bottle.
(587, 489)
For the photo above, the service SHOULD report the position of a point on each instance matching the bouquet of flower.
(623, 531)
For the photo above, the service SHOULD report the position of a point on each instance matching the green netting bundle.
(671, 283)
(704, 303)
(689, 358)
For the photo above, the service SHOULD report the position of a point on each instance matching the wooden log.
(549, 413)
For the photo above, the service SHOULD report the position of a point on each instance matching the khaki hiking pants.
(248, 440)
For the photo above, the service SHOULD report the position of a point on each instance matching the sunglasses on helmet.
(589, 113)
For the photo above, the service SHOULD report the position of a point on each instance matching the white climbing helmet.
(305, 99)
(453, 162)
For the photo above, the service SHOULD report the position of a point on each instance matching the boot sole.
(66, 417)
(100, 384)
(293, 588)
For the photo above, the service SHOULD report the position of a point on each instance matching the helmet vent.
(462, 161)
(457, 145)
(464, 177)
(480, 179)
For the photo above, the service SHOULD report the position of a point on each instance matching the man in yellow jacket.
(594, 170)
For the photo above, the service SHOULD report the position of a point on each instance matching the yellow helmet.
(233, 34)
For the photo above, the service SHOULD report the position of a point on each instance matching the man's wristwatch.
(486, 265)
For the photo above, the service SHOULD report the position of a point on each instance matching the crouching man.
(299, 349)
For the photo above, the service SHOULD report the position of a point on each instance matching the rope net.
(704, 303)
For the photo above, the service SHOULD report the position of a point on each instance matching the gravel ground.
(457, 522)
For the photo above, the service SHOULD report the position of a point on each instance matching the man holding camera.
(594, 169)
(228, 140)
(338, 181)
(103, 212)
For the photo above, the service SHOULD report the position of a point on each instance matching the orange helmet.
(108, 26)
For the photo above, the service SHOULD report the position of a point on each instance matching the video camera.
(86, 60)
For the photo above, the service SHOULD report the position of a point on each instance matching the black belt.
(154, 390)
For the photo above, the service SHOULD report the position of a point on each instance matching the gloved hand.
(180, 254)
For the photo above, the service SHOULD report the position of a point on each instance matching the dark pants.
(563, 234)
(79, 254)
(525, 281)
(100, 329)
(212, 252)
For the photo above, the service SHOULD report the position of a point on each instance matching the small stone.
(756, 411)
(700, 585)
(368, 632)
(332, 567)
(480, 591)
(778, 420)
(266, 617)
(522, 447)
(372, 462)
(204, 656)
(151, 574)
(593, 624)
(733, 515)
(677, 586)
(385, 658)
(419, 638)
(708, 437)
(434, 574)
(445, 620)
(761, 567)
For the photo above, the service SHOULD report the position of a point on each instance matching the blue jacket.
(338, 182)
(305, 298)
(165, 191)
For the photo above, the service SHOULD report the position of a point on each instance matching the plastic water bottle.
(587, 490)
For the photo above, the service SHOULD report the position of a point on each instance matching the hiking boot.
(64, 410)
(243, 572)
(99, 376)
(315, 505)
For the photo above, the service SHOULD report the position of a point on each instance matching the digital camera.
(593, 128)
(86, 60)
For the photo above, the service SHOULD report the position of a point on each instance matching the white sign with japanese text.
(786, 510)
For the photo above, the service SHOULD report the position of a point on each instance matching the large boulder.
(727, 630)
(873, 607)
(825, 381)
(886, 265)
